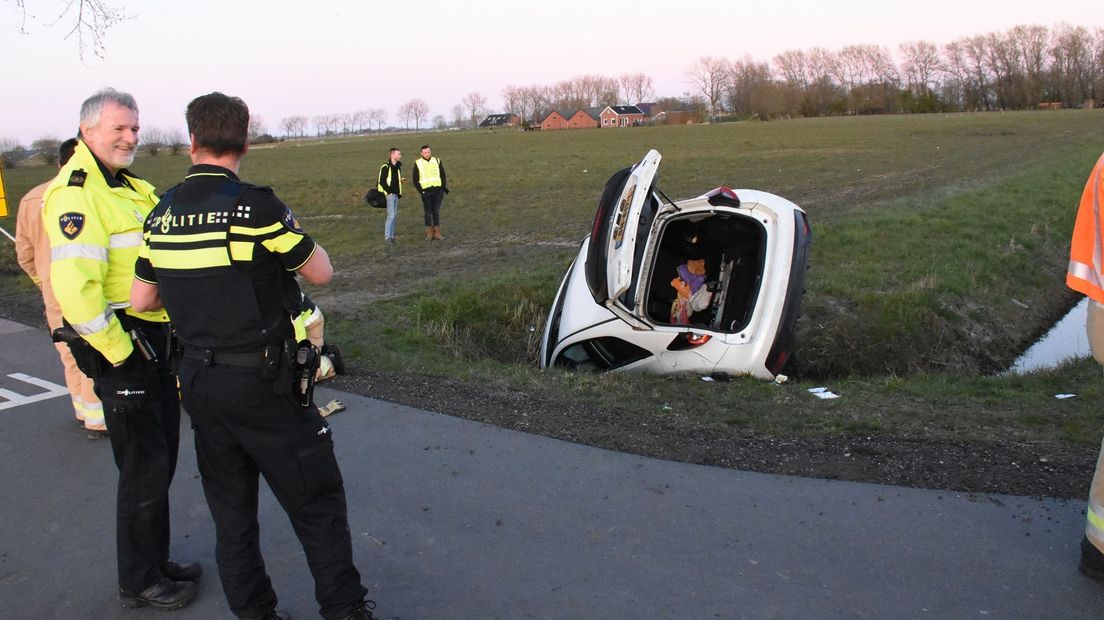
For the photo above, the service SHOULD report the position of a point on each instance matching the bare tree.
(476, 105)
(405, 113)
(636, 87)
(174, 140)
(377, 116)
(9, 144)
(256, 127)
(360, 121)
(419, 109)
(458, 115)
(152, 140)
(287, 125)
(920, 66)
(708, 77)
(512, 97)
(48, 148)
(90, 19)
(439, 122)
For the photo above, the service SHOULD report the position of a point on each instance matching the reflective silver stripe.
(1097, 245)
(118, 305)
(96, 325)
(1085, 272)
(76, 250)
(126, 240)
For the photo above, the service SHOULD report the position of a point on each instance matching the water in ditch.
(1066, 340)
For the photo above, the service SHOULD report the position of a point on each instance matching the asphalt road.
(456, 519)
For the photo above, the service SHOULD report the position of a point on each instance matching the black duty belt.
(210, 357)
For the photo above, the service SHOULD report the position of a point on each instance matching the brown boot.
(437, 233)
(429, 233)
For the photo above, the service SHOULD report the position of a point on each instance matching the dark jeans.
(243, 430)
(431, 203)
(144, 430)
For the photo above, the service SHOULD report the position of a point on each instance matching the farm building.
(555, 120)
(621, 116)
(581, 118)
(584, 118)
(501, 120)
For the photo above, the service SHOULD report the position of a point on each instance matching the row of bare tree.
(1016, 69)
(532, 103)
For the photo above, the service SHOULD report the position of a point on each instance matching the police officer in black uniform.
(221, 255)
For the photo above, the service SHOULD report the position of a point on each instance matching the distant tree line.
(1021, 68)
(532, 103)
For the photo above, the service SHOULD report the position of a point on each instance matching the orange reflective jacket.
(1086, 266)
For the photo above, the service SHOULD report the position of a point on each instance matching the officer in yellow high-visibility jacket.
(1086, 275)
(93, 214)
(431, 182)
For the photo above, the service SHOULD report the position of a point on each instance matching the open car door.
(611, 259)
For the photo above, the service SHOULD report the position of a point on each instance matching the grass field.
(940, 245)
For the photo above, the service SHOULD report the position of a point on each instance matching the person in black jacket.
(390, 184)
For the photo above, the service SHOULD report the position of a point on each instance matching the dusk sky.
(335, 56)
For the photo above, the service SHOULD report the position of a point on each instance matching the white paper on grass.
(823, 393)
(1064, 396)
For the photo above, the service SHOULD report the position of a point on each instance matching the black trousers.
(431, 204)
(144, 430)
(242, 430)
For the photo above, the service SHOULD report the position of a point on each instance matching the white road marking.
(15, 399)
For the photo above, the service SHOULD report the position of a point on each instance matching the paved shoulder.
(456, 519)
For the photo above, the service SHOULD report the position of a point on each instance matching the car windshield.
(600, 354)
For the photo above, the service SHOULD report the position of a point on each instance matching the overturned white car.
(708, 285)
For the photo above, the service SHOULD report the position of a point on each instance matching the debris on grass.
(823, 393)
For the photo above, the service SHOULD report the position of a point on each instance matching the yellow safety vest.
(429, 172)
(95, 232)
(1086, 266)
(390, 173)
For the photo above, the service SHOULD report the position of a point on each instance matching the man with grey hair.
(93, 215)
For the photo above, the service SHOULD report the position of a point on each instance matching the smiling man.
(93, 215)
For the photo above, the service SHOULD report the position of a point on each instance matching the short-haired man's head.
(218, 123)
(66, 150)
(392, 150)
(424, 147)
(93, 106)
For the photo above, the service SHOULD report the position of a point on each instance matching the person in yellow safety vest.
(1086, 276)
(390, 185)
(94, 212)
(32, 250)
(431, 182)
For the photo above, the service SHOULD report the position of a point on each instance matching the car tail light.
(723, 196)
(688, 340)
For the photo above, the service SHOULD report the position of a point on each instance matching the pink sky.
(334, 56)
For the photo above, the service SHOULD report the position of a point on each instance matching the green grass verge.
(940, 243)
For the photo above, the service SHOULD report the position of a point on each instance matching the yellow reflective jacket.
(95, 231)
(429, 172)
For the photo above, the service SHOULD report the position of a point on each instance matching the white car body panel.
(739, 352)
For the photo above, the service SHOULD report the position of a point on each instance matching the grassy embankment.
(940, 244)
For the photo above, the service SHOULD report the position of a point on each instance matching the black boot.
(165, 594)
(1092, 561)
(182, 572)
